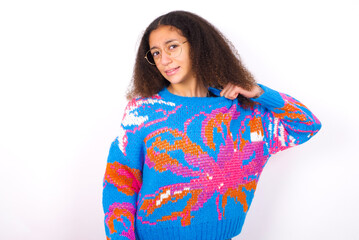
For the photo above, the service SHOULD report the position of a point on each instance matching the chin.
(174, 80)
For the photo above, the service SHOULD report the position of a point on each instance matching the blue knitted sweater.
(187, 167)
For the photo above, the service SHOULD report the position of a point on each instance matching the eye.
(172, 47)
(155, 53)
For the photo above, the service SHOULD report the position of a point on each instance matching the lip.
(172, 71)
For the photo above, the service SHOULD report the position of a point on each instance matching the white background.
(64, 70)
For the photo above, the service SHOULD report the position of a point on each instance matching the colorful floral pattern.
(173, 161)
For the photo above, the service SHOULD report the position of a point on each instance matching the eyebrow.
(168, 41)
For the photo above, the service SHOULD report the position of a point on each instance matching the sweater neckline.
(177, 99)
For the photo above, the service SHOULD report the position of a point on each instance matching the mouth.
(171, 71)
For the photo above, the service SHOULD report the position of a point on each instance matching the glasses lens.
(149, 58)
(174, 49)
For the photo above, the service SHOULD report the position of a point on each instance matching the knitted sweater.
(187, 167)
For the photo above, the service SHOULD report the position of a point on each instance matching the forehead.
(163, 34)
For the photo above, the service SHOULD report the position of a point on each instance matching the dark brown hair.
(215, 61)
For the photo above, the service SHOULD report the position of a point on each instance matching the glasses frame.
(169, 54)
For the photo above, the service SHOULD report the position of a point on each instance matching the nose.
(165, 58)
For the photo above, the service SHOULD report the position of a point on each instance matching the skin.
(231, 91)
(178, 71)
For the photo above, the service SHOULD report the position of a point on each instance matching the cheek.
(160, 70)
(188, 61)
(188, 64)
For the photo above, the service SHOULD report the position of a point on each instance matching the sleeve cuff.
(270, 98)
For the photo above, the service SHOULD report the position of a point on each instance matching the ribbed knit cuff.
(270, 98)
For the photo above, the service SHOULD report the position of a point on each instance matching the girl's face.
(176, 69)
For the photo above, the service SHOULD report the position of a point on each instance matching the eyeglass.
(173, 49)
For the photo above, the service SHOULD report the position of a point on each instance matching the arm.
(123, 179)
(286, 121)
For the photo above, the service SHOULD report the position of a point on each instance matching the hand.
(231, 91)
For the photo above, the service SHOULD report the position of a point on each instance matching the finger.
(230, 91)
(233, 92)
(225, 90)
(232, 95)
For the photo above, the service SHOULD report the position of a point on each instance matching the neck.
(196, 90)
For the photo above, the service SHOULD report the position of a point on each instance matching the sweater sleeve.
(286, 121)
(123, 178)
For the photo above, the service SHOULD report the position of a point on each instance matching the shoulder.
(151, 102)
(143, 107)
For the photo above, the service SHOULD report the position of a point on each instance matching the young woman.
(195, 136)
